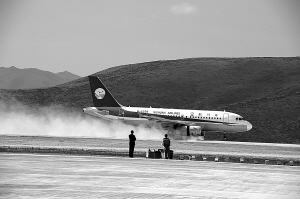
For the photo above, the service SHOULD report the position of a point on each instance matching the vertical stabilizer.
(101, 95)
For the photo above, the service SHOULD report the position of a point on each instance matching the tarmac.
(64, 167)
(69, 176)
(218, 151)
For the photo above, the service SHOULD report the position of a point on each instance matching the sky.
(85, 37)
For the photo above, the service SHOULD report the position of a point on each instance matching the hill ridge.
(15, 78)
(265, 91)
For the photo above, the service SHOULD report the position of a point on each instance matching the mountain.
(265, 91)
(67, 76)
(15, 78)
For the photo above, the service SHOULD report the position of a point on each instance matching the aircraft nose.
(249, 126)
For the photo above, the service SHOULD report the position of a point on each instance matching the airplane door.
(226, 117)
(121, 114)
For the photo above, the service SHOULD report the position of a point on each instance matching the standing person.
(132, 140)
(167, 144)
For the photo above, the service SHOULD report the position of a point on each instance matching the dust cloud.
(18, 119)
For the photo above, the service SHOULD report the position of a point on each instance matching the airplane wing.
(169, 119)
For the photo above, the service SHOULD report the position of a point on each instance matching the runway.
(245, 149)
(60, 176)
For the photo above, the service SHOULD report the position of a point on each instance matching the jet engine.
(185, 132)
(195, 131)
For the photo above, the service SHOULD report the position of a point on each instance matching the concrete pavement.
(249, 152)
(61, 176)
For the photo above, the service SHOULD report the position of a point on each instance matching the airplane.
(179, 123)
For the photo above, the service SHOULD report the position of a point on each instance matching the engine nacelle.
(195, 131)
(185, 132)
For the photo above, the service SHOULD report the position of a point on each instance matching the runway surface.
(246, 149)
(59, 176)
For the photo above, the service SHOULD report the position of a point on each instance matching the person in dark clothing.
(132, 140)
(167, 144)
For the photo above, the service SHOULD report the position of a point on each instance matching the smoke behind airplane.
(18, 119)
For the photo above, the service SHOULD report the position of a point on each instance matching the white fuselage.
(220, 121)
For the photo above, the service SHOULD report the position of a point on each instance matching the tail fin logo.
(99, 93)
